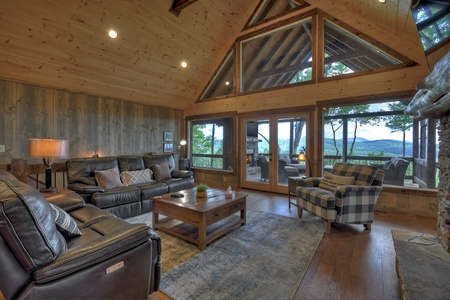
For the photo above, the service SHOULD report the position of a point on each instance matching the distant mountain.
(364, 147)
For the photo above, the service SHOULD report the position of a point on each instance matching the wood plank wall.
(92, 124)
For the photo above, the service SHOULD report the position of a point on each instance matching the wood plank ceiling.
(64, 44)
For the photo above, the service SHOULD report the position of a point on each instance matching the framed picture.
(168, 147)
(168, 136)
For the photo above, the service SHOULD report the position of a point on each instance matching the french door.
(269, 150)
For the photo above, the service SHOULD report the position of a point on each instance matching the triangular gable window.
(277, 58)
(270, 9)
(222, 83)
(346, 53)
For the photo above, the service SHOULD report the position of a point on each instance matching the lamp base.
(49, 190)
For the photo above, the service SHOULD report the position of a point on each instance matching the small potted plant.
(201, 190)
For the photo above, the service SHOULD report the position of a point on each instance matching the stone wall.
(443, 232)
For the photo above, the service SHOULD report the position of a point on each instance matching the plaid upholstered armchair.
(346, 195)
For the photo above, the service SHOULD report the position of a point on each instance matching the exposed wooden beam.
(179, 5)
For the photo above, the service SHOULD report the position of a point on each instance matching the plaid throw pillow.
(136, 177)
(331, 181)
(64, 222)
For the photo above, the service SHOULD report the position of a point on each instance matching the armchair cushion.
(364, 175)
(332, 181)
(64, 222)
(108, 179)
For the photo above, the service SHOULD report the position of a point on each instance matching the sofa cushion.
(64, 222)
(161, 171)
(136, 177)
(332, 181)
(364, 175)
(130, 162)
(108, 179)
(27, 225)
(153, 159)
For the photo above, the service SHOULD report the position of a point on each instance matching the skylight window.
(432, 21)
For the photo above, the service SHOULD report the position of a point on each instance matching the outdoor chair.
(264, 165)
(346, 195)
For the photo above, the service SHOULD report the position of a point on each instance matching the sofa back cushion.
(130, 163)
(364, 175)
(155, 159)
(82, 170)
(27, 225)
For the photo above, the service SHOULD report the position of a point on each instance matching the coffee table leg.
(202, 233)
(155, 220)
(243, 216)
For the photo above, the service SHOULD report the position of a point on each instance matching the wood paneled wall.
(93, 125)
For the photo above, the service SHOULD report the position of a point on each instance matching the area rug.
(265, 259)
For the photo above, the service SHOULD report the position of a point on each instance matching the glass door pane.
(291, 140)
(257, 167)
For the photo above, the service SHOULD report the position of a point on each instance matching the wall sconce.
(48, 150)
(302, 156)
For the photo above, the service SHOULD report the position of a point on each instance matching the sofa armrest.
(93, 252)
(68, 202)
(310, 182)
(85, 189)
(182, 174)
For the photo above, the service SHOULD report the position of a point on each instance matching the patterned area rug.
(265, 259)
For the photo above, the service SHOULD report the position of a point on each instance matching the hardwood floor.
(350, 263)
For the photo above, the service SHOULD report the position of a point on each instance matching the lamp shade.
(183, 142)
(48, 148)
(301, 156)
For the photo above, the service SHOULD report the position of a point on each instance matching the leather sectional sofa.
(126, 200)
(63, 248)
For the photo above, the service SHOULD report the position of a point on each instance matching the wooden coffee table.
(199, 220)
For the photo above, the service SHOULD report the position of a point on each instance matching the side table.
(292, 185)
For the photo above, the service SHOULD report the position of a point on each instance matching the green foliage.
(336, 124)
(398, 122)
(201, 187)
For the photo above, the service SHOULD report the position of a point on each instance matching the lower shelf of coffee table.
(190, 232)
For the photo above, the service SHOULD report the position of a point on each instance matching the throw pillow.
(332, 181)
(64, 222)
(136, 177)
(161, 171)
(108, 179)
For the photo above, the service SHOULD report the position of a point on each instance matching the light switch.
(2, 148)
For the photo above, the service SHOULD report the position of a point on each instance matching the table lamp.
(48, 150)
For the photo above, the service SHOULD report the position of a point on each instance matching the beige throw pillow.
(161, 171)
(331, 181)
(108, 179)
(136, 177)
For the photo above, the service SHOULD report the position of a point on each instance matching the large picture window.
(212, 144)
(378, 134)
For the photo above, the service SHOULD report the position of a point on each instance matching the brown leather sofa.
(112, 259)
(125, 201)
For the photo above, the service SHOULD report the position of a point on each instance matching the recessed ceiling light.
(382, 1)
(183, 64)
(112, 34)
(227, 83)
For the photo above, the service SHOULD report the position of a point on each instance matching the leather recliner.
(112, 259)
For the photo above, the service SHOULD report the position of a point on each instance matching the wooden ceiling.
(64, 44)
